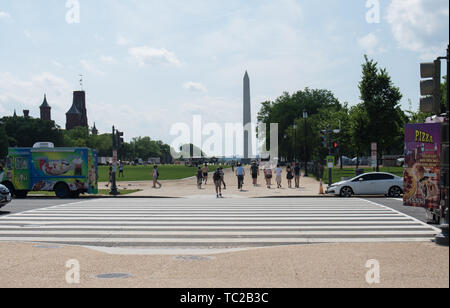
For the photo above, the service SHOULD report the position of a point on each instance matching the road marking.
(203, 223)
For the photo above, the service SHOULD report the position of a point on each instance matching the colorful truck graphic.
(66, 171)
(422, 175)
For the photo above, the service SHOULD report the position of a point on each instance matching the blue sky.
(148, 64)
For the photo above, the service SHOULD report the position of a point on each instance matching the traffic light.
(119, 137)
(324, 137)
(336, 145)
(430, 88)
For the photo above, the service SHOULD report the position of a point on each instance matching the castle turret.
(79, 99)
(45, 110)
(73, 117)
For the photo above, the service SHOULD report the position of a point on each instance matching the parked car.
(5, 196)
(374, 183)
(401, 162)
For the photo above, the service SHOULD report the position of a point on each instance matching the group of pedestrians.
(218, 178)
(292, 173)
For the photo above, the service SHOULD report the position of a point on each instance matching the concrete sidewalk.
(187, 188)
(402, 265)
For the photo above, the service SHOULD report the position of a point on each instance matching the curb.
(165, 197)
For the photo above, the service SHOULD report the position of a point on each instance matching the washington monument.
(247, 121)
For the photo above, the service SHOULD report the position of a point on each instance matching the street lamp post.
(305, 116)
(295, 142)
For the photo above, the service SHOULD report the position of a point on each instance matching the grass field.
(338, 174)
(144, 173)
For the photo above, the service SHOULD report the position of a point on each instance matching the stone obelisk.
(247, 121)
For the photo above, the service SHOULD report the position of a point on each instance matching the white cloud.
(122, 40)
(370, 44)
(108, 60)
(147, 56)
(194, 86)
(420, 25)
(90, 67)
(28, 94)
(28, 34)
(4, 15)
(56, 63)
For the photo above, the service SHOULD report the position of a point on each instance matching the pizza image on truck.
(68, 172)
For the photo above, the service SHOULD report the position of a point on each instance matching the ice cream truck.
(68, 172)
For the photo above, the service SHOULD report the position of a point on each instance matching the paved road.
(23, 205)
(212, 223)
(396, 204)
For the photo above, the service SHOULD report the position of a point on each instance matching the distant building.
(77, 115)
(45, 110)
(94, 130)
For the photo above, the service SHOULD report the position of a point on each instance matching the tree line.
(377, 118)
(19, 131)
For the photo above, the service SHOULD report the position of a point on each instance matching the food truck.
(422, 169)
(68, 172)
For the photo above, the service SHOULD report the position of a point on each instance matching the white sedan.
(375, 183)
(5, 196)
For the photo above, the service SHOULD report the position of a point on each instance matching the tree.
(4, 142)
(359, 132)
(381, 101)
(288, 109)
(25, 131)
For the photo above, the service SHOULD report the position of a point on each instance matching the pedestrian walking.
(278, 172)
(289, 175)
(240, 173)
(297, 173)
(218, 179)
(223, 178)
(155, 177)
(254, 170)
(109, 176)
(121, 169)
(268, 176)
(199, 176)
(205, 173)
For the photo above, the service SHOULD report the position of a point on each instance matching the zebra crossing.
(225, 223)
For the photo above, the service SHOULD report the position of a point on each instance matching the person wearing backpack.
(199, 175)
(240, 173)
(218, 178)
(255, 173)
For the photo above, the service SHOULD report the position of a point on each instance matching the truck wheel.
(62, 190)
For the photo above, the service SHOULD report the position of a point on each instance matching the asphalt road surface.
(225, 223)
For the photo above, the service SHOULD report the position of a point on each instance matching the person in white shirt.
(278, 172)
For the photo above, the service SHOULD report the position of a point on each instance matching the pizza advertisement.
(422, 165)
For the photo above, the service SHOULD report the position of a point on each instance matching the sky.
(148, 64)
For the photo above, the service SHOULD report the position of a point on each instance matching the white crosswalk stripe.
(213, 223)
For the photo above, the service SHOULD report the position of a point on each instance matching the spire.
(45, 103)
(94, 130)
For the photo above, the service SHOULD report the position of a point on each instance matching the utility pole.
(114, 191)
(442, 239)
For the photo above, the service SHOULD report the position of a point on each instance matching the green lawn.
(350, 172)
(144, 173)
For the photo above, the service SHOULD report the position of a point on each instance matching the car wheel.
(395, 192)
(62, 191)
(347, 192)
